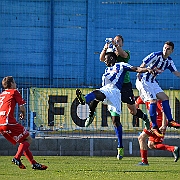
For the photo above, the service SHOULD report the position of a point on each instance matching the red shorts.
(153, 137)
(14, 133)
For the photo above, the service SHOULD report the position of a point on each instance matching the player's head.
(119, 40)
(168, 48)
(170, 43)
(8, 83)
(110, 59)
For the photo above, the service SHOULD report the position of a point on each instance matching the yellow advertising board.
(58, 108)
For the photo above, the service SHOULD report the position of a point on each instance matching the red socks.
(158, 147)
(164, 147)
(29, 156)
(144, 156)
(24, 149)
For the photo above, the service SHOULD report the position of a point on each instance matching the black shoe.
(80, 97)
(18, 163)
(38, 166)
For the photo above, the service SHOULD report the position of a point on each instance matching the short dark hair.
(112, 54)
(111, 59)
(170, 43)
(120, 36)
(6, 82)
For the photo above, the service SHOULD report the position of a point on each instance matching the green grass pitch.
(91, 168)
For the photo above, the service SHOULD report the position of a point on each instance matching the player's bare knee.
(141, 139)
(29, 139)
(151, 145)
(116, 121)
(133, 112)
(132, 109)
(116, 124)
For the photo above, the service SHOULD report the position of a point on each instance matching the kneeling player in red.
(10, 129)
(155, 142)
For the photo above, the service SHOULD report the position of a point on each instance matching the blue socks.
(118, 131)
(90, 97)
(152, 113)
(167, 109)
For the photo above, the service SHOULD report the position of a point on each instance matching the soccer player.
(154, 142)
(110, 93)
(126, 90)
(10, 129)
(150, 89)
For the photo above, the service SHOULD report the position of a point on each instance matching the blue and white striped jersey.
(114, 76)
(156, 62)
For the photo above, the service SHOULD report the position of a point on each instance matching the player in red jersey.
(10, 129)
(154, 142)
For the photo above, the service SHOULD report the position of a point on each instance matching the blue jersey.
(114, 76)
(156, 62)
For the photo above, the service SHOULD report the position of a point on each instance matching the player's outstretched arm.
(176, 73)
(142, 70)
(103, 52)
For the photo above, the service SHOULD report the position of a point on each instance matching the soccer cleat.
(176, 153)
(142, 164)
(18, 163)
(90, 120)
(120, 153)
(80, 97)
(147, 123)
(157, 132)
(173, 124)
(38, 166)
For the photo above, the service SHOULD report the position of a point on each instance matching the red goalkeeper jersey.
(8, 100)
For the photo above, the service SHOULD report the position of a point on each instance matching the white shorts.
(148, 90)
(113, 98)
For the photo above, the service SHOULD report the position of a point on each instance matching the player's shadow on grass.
(145, 169)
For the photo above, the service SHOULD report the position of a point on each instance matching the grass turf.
(90, 168)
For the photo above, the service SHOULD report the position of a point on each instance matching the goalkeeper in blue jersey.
(110, 93)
